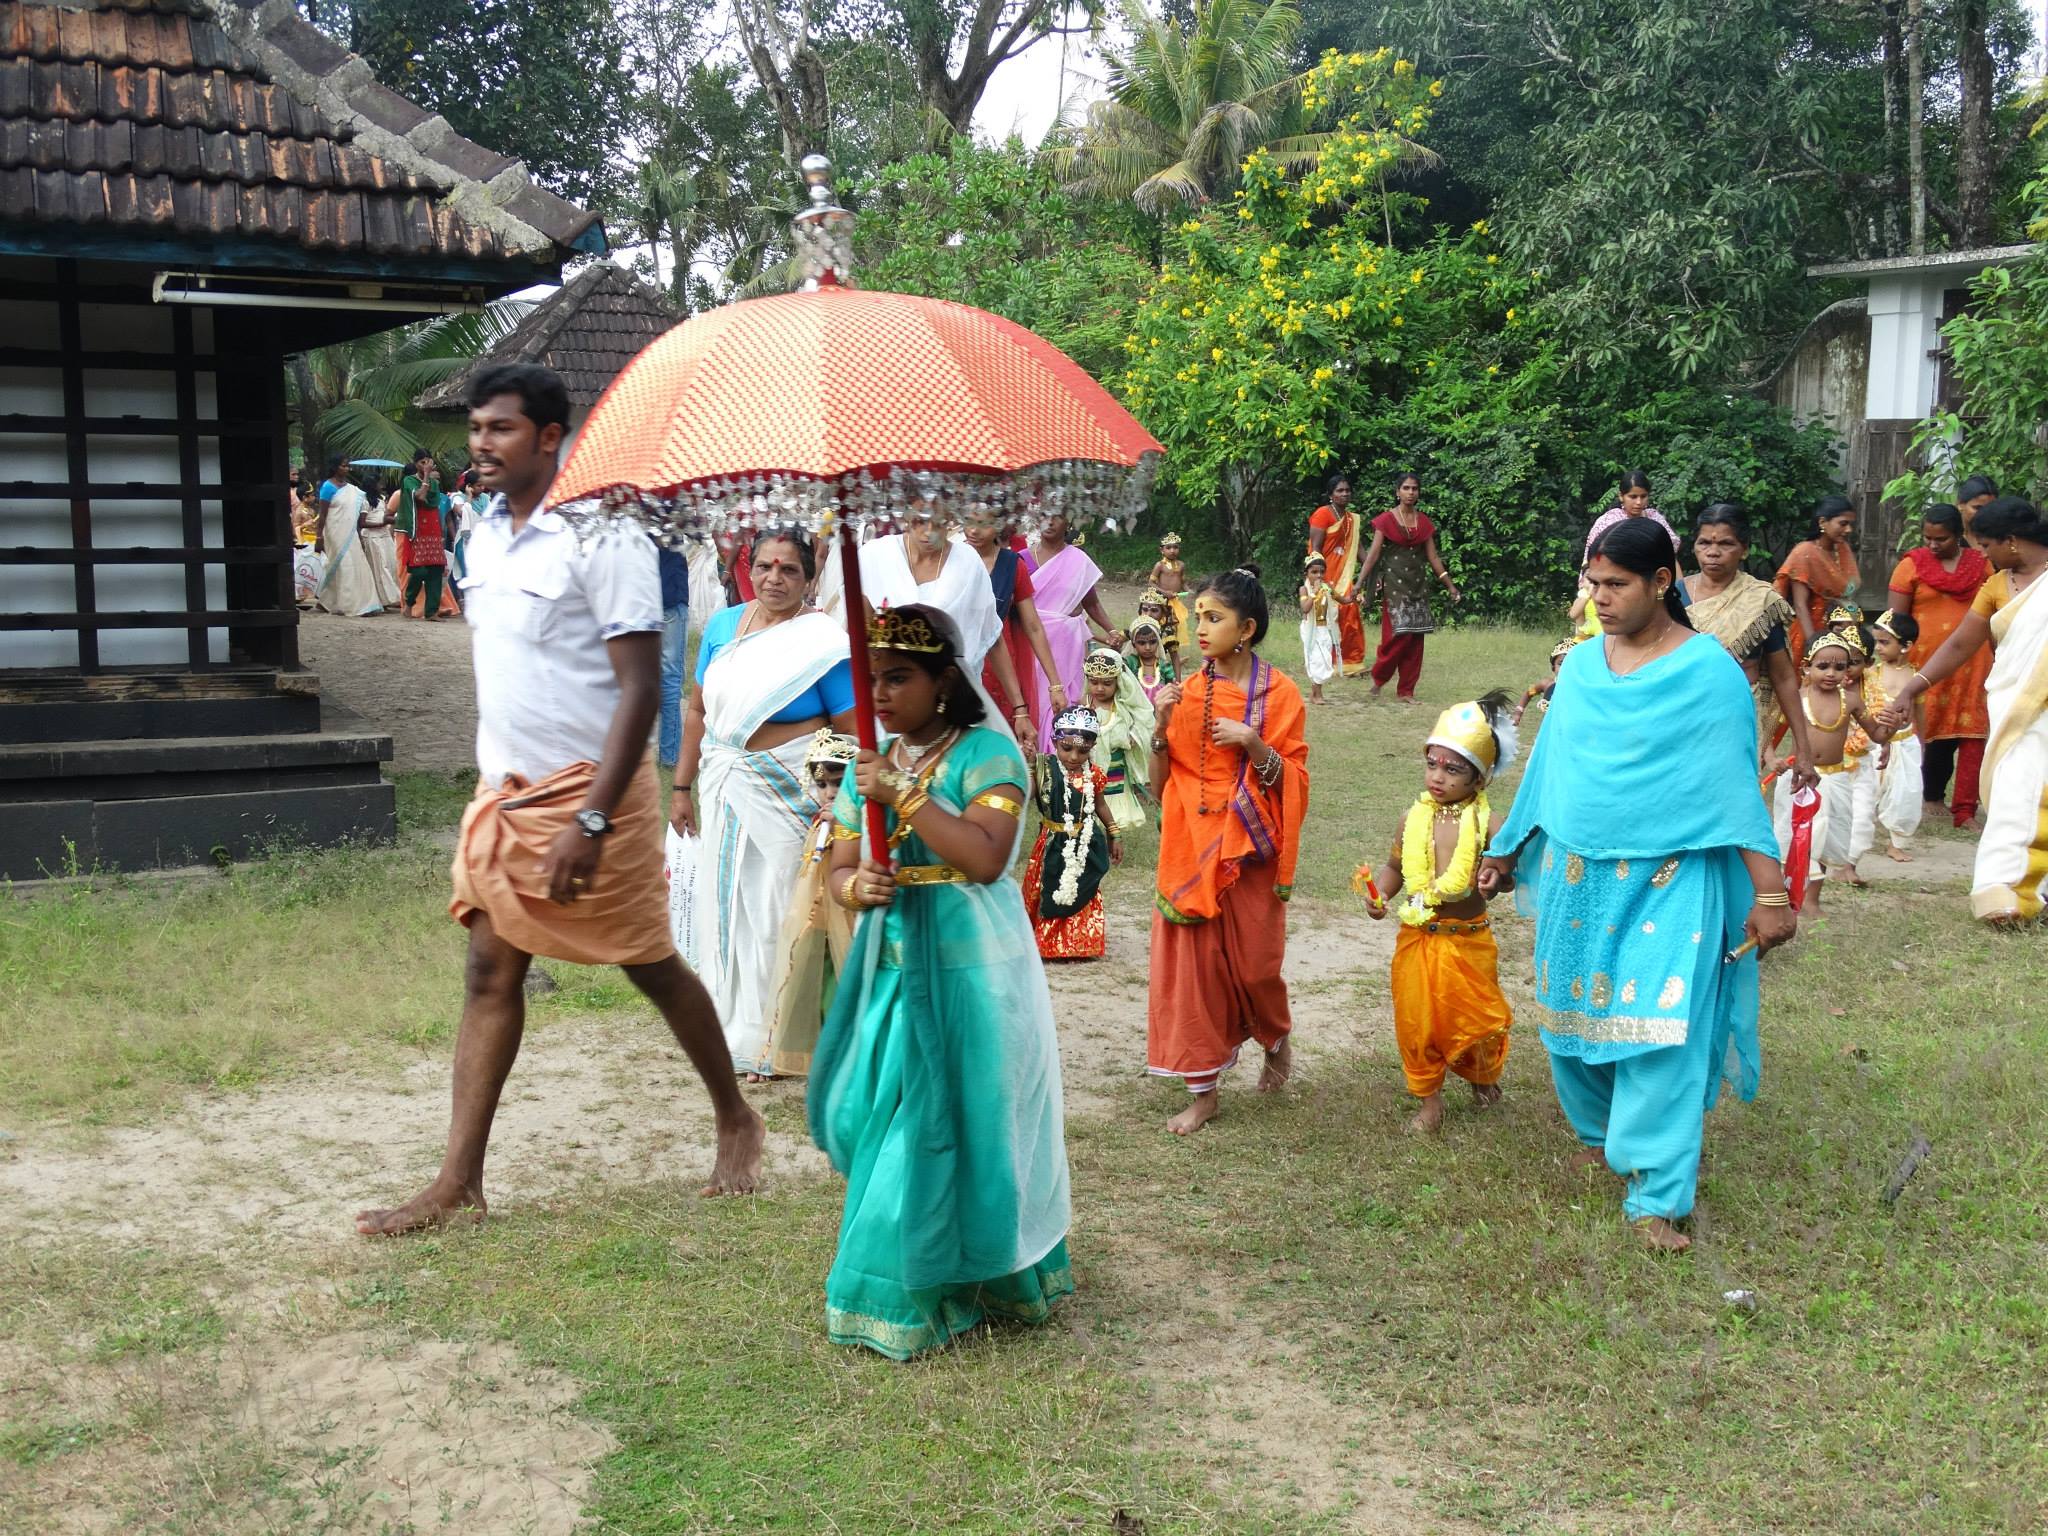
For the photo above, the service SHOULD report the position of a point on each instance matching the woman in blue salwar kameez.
(1644, 851)
(935, 1087)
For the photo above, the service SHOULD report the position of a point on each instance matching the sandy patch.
(409, 679)
(591, 1103)
(425, 1434)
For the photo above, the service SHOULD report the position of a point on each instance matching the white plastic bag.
(680, 868)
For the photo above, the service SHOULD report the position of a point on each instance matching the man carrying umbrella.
(560, 852)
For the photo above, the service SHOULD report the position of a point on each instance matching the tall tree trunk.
(1895, 93)
(1975, 167)
(1916, 106)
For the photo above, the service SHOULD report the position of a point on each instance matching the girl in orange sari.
(1230, 769)
(1819, 572)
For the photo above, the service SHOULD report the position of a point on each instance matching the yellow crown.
(1465, 730)
(1102, 664)
(1850, 640)
(889, 630)
(1152, 597)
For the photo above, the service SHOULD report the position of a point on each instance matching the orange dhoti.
(1449, 1013)
(621, 919)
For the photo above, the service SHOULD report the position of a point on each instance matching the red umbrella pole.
(863, 680)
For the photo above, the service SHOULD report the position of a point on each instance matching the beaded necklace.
(1208, 725)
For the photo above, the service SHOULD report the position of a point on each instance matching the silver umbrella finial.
(823, 231)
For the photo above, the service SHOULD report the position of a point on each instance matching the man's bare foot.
(435, 1206)
(1486, 1095)
(1898, 855)
(1279, 1067)
(1933, 807)
(1662, 1236)
(1589, 1157)
(737, 1168)
(1856, 880)
(1429, 1118)
(1201, 1110)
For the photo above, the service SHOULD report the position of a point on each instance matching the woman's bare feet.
(438, 1205)
(737, 1168)
(1429, 1119)
(1662, 1236)
(1898, 855)
(1970, 824)
(1486, 1095)
(1202, 1108)
(1279, 1067)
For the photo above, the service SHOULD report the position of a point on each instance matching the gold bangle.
(1775, 899)
(845, 891)
(1003, 803)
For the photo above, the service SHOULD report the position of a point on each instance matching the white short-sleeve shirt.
(541, 606)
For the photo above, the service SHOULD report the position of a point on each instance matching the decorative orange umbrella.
(833, 409)
(824, 384)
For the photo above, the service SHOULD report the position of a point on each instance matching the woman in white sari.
(349, 584)
(923, 564)
(2011, 881)
(770, 673)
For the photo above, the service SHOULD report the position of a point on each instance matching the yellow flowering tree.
(1292, 333)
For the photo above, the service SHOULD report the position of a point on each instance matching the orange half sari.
(1228, 846)
(1827, 583)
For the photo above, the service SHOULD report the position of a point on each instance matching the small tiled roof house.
(587, 331)
(190, 190)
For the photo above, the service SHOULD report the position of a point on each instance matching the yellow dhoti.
(1449, 1012)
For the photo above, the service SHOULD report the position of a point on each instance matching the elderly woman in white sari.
(923, 564)
(2010, 885)
(770, 673)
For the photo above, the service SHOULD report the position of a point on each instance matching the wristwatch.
(593, 823)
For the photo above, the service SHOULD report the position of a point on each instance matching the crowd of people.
(364, 550)
(854, 915)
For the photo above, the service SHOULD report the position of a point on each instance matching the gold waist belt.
(930, 874)
(1842, 767)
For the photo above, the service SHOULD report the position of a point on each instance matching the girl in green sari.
(935, 1087)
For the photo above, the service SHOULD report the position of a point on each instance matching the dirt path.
(267, 1181)
(404, 676)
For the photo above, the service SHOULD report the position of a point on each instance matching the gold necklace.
(1841, 710)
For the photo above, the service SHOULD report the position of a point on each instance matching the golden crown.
(889, 630)
(1850, 640)
(1102, 664)
(1152, 597)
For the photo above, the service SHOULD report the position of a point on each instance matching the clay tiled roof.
(224, 119)
(587, 330)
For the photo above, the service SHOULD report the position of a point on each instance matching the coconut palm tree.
(1185, 106)
(356, 398)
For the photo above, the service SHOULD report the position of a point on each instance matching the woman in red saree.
(1335, 534)
(1819, 572)
(1935, 584)
(1230, 769)
(1404, 554)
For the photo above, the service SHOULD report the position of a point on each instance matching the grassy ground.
(1302, 1320)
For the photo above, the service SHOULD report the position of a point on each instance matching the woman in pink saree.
(1063, 581)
